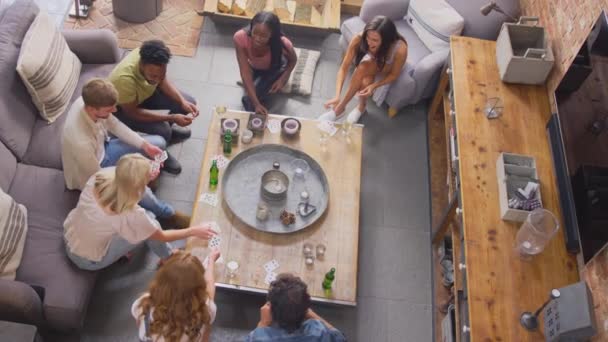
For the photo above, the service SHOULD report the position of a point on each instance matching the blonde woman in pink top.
(266, 58)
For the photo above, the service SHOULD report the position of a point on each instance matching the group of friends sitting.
(106, 158)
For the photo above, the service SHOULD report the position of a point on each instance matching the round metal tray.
(243, 177)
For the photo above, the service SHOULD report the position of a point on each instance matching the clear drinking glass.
(320, 250)
(323, 137)
(347, 126)
(536, 231)
(232, 267)
(309, 256)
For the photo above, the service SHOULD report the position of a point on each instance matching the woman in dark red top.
(266, 58)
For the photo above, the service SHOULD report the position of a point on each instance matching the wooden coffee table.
(338, 229)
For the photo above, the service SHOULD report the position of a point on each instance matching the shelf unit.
(494, 286)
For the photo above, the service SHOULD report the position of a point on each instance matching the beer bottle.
(213, 174)
(329, 278)
(227, 142)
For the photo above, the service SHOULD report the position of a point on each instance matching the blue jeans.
(117, 249)
(115, 149)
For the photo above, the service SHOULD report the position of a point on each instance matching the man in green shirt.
(145, 96)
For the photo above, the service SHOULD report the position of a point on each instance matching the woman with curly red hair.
(179, 303)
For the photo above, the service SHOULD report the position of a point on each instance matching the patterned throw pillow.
(48, 68)
(300, 80)
(13, 228)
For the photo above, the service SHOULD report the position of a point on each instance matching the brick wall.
(568, 23)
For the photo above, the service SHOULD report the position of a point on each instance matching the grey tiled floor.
(394, 282)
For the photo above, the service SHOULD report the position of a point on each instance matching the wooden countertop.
(500, 284)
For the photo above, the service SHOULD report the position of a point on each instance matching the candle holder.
(232, 267)
(290, 128)
(320, 249)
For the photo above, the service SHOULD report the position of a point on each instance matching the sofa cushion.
(434, 21)
(393, 9)
(300, 80)
(17, 112)
(44, 263)
(416, 49)
(48, 67)
(45, 144)
(479, 26)
(8, 167)
(13, 229)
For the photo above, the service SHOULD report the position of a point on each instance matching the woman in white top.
(178, 306)
(107, 222)
(378, 54)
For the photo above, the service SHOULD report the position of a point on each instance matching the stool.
(137, 11)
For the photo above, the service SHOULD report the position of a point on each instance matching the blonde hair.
(121, 189)
(178, 295)
(99, 93)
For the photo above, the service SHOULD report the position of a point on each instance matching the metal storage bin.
(523, 53)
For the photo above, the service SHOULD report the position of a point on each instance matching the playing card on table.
(208, 198)
(328, 126)
(221, 161)
(274, 125)
(215, 242)
(271, 265)
(270, 277)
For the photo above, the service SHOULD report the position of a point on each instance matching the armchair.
(421, 71)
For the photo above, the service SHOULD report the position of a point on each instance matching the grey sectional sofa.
(419, 80)
(31, 172)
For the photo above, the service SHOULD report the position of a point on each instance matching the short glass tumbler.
(536, 231)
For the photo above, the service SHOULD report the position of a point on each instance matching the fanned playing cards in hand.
(274, 125)
(159, 159)
(208, 198)
(328, 126)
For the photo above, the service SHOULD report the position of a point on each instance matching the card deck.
(208, 198)
(221, 161)
(274, 125)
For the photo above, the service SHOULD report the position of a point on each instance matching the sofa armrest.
(427, 70)
(20, 303)
(94, 46)
(393, 9)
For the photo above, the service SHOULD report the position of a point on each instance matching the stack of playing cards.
(159, 159)
(220, 161)
(269, 267)
(274, 125)
(208, 198)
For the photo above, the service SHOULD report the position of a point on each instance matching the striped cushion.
(13, 227)
(48, 68)
(434, 21)
(300, 80)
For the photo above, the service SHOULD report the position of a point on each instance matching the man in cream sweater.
(87, 146)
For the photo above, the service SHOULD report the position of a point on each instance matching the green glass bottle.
(227, 142)
(329, 278)
(214, 173)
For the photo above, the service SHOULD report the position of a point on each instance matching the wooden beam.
(446, 220)
(254, 6)
(224, 6)
(238, 7)
(444, 81)
(281, 10)
(303, 13)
